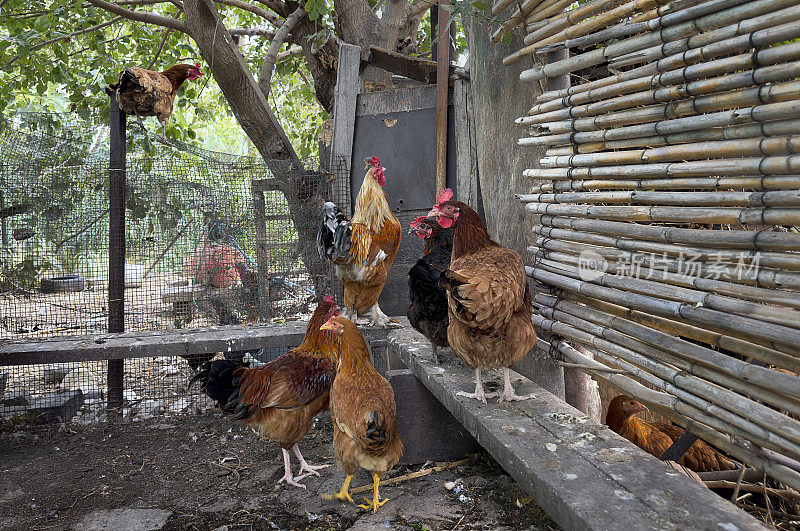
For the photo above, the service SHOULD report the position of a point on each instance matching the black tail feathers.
(217, 380)
(375, 430)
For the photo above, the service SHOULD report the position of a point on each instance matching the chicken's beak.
(329, 324)
(643, 407)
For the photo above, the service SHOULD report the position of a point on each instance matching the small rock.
(551, 447)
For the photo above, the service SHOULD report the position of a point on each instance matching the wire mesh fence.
(210, 239)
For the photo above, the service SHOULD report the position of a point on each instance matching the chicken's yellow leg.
(376, 501)
(343, 494)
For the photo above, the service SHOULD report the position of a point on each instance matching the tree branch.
(279, 8)
(263, 13)
(65, 38)
(140, 16)
(265, 77)
(163, 41)
(294, 50)
(252, 32)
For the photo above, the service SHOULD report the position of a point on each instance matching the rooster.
(362, 249)
(142, 92)
(363, 412)
(656, 438)
(489, 303)
(280, 399)
(427, 312)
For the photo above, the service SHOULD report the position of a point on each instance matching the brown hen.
(489, 304)
(363, 412)
(141, 92)
(280, 399)
(655, 438)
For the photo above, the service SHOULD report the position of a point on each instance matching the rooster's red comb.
(444, 196)
(375, 161)
(415, 223)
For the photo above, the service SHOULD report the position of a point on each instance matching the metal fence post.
(116, 252)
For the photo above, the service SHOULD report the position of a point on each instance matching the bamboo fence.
(668, 198)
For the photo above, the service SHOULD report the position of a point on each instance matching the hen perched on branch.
(142, 92)
(655, 438)
(362, 249)
(363, 412)
(280, 399)
(489, 303)
(427, 312)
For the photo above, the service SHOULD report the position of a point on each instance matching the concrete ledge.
(580, 472)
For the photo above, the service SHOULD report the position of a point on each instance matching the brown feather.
(656, 438)
(285, 394)
(358, 395)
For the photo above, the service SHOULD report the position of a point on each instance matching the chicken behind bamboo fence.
(668, 202)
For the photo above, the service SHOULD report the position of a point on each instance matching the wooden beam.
(161, 343)
(344, 116)
(416, 68)
(442, 93)
(262, 256)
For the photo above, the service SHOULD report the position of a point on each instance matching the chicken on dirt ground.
(489, 303)
(279, 400)
(362, 249)
(427, 312)
(655, 438)
(364, 414)
(141, 92)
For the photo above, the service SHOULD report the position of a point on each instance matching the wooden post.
(3, 221)
(466, 147)
(116, 251)
(442, 92)
(344, 115)
(262, 256)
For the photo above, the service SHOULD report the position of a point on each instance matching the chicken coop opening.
(210, 238)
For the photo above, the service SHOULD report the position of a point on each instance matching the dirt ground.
(207, 472)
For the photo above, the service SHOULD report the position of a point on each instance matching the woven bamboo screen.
(669, 200)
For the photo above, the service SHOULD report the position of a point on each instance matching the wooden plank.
(466, 150)
(580, 472)
(416, 68)
(344, 114)
(442, 93)
(161, 343)
(266, 185)
(396, 100)
(262, 256)
(158, 343)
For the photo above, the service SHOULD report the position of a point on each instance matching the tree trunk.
(303, 190)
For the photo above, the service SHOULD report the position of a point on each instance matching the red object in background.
(213, 265)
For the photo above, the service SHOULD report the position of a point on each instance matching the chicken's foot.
(376, 500)
(508, 394)
(344, 492)
(353, 316)
(479, 393)
(287, 472)
(141, 124)
(378, 318)
(305, 467)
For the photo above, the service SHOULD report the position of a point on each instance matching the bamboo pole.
(760, 240)
(747, 268)
(760, 130)
(756, 114)
(715, 25)
(516, 18)
(779, 337)
(694, 80)
(781, 319)
(769, 165)
(685, 329)
(773, 198)
(683, 57)
(774, 387)
(667, 406)
(703, 183)
(752, 420)
(691, 106)
(702, 375)
(670, 272)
